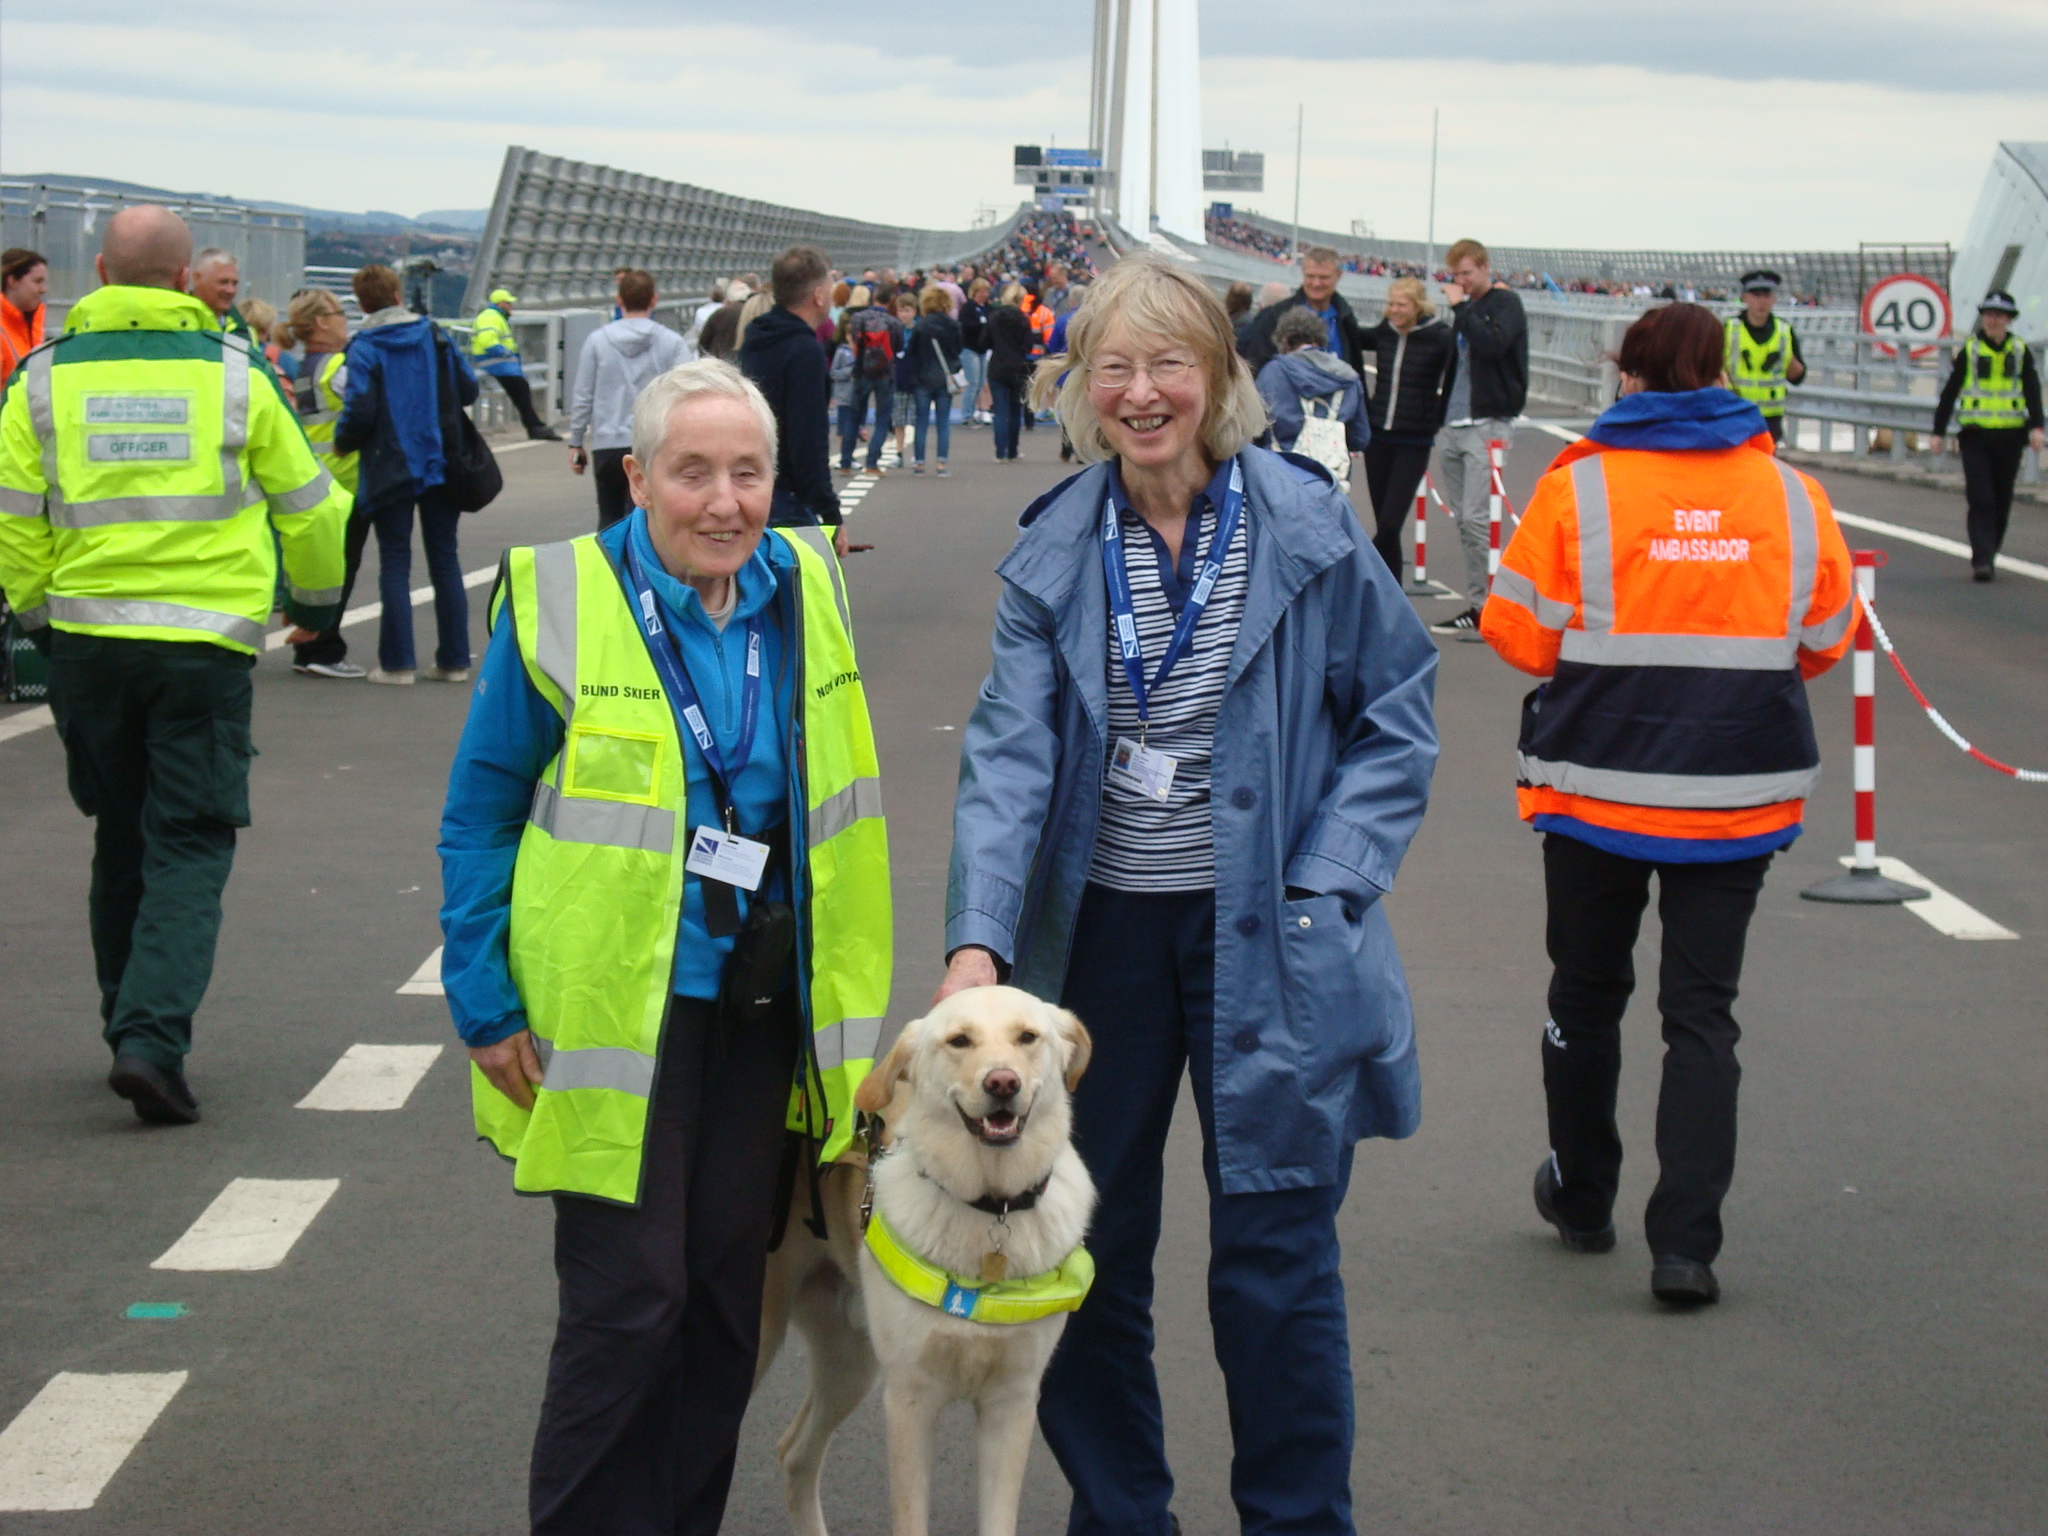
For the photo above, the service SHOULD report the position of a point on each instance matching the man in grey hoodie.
(617, 362)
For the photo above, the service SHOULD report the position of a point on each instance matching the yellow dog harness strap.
(1025, 1300)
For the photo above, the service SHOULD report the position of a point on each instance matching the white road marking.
(28, 720)
(2007, 565)
(251, 1224)
(1942, 911)
(275, 640)
(426, 981)
(63, 1449)
(1549, 426)
(372, 1077)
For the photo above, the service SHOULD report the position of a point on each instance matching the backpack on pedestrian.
(875, 345)
(1322, 438)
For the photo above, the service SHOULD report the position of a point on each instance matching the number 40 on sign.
(1906, 309)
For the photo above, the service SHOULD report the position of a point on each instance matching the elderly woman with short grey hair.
(1201, 752)
(649, 927)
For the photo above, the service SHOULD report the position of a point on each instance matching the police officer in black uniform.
(1994, 394)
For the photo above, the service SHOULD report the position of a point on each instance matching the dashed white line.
(63, 1449)
(1941, 910)
(372, 1077)
(275, 640)
(251, 1224)
(426, 981)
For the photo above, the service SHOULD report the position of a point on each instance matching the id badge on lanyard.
(1133, 765)
(720, 857)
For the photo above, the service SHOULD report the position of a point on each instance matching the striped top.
(1155, 845)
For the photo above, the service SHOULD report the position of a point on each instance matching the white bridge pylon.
(1145, 113)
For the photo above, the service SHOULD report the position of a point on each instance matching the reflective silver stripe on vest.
(1818, 637)
(848, 1040)
(820, 540)
(306, 497)
(1596, 545)
(1735, 653)
(42, 415)
(1803, 524)
(554, 638)
(1514, 587)
(140, 509)
(863, 797)
(136, 613)
(1685, 791)
(20, 503)
(607, 823)
(599, 1066)
(313, 597)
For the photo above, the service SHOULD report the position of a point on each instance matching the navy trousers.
(1142, 978)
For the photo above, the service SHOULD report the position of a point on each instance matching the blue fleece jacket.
(513, 734)
(396, 371)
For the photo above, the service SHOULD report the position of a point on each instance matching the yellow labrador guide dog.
(971, 1257)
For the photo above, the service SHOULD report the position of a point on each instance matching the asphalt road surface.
(1876, 1365)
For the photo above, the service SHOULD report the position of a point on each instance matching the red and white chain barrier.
(1496, 498)
(1865, 664)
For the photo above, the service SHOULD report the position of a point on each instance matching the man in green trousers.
(145, 459)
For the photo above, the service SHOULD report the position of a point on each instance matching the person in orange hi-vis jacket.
(1675, 584)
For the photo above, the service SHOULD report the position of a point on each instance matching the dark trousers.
(1006, 404)
(661, 1305)
(439, 523)
(156, 741)
(1142, 976)
(1991, 464)
(520, 393)
(1392, 471)
(328, 646)
(1775, 425)
(883, 393)
(614, 491)
(1596, 902)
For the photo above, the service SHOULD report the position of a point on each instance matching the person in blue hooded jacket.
(1183, 834)
(399, 366)
(1302, 378)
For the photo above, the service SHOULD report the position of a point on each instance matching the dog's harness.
(993, 1298)
(996, 1301)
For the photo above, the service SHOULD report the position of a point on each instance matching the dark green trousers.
(156, 738)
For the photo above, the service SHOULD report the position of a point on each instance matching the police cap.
(1999, 300)
(1762, 280)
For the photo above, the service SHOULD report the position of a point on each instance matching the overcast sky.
(1663, 123)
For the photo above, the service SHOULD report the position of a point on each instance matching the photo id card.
(1141, 769)
(727, 856)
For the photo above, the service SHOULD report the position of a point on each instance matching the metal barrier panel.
(65, 222)
(559, 228)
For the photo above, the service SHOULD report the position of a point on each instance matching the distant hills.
(444, 221)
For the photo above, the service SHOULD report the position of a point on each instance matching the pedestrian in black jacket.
(1009, 368)
(933, 349)
(1417, 357)
(1319, 296)
(786, 361)
(1998, 389)
(1488, 391)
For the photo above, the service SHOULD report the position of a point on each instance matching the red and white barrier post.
(1496, 458)
(1864, 883)
(1421, 581)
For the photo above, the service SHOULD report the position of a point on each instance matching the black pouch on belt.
(758, 969)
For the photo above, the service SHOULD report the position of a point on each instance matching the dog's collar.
(1000, 1206)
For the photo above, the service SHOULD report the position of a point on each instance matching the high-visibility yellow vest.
(145, 458)
(1023, 1300)
(319, 397)
(1756, 369)
(1991, 384)
(597, 889)
(492, 330)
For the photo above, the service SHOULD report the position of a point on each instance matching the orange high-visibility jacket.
(19, 335)
(1676, 601)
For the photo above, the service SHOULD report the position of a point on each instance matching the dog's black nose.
(1001, 1083)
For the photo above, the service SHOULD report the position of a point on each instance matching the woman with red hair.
(1674, 584)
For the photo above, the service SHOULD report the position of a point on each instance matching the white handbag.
(956, 378)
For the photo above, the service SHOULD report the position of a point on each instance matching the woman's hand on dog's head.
(968, 966)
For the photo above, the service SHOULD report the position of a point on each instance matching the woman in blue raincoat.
(1194, 768)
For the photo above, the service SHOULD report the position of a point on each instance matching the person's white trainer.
(445, 674)
(342, 669)
(402, 678)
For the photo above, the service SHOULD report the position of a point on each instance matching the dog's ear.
(1079, 1046)
(879, 1086)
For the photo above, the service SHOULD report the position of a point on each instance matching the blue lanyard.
(668, 661)
(1120, 606)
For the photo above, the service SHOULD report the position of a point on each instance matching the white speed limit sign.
(1906, 309)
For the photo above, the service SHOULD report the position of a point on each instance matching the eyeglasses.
(1164, 372)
